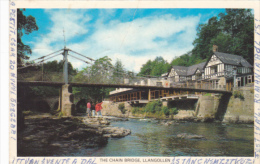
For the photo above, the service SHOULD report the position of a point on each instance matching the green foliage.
(25, 25)
(154, 106)
(138, 110)
(155, 68)
(119, 68)
(155, 109)
(207, 94)
(41, 91)
(135, 110)
(173, 111)
(49, 71)
(232, 31)
(238, 94)
(99, 72)
(121, 107)
(166, 110)
(55, 66)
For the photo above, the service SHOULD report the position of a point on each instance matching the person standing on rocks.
(93, 109)
(98, 108)
(88, 109)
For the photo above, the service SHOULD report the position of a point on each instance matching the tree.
(160, 66)
(239, 24)
(224, 42)
(183, 60)
(118, 72)
(146, 68)
(205, 32)
(155, 68)
(232, 31)
(25, 25)
(55, 66)
(100, 72)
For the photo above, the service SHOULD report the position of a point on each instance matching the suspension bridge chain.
(111, 68)
(35, 64)
(42, 57)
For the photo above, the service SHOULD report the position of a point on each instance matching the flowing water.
(149, 138)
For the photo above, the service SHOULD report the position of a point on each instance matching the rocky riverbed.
(46, 135)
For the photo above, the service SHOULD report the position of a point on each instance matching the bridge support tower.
(66, 100)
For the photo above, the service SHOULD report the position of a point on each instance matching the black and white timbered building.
(219, 69)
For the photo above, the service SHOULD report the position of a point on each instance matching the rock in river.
(115, 132)
(190, 136)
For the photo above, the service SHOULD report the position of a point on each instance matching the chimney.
(215, 48)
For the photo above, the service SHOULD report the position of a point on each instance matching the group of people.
(93, 110)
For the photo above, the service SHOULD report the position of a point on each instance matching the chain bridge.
(103, 77)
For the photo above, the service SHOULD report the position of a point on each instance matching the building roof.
(181, 70)
(224, 57)
(232, 59)
(188, 71)
(164, 74)
(192, 69)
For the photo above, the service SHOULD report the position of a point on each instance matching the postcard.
(134, 82)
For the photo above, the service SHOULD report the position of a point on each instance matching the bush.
(238, 94)
(166, 110)
(154, 106)
(173, 111)
(155, 109)
(136, 110)
(121, 107)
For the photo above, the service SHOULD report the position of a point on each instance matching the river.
(149, 138)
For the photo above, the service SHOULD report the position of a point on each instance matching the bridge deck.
(58, 84)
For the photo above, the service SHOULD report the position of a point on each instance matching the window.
(239, 82)
(213, 69)
(249, 79)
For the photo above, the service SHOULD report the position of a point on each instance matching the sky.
(132, 36)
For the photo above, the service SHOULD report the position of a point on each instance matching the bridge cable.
(34, 64)
(82, 55)
(46, 55)
(95, 60)
(113, 68)
(80, 59)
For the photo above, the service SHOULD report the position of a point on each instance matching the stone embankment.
(241, 106)
(46, 135)
(111, 109)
